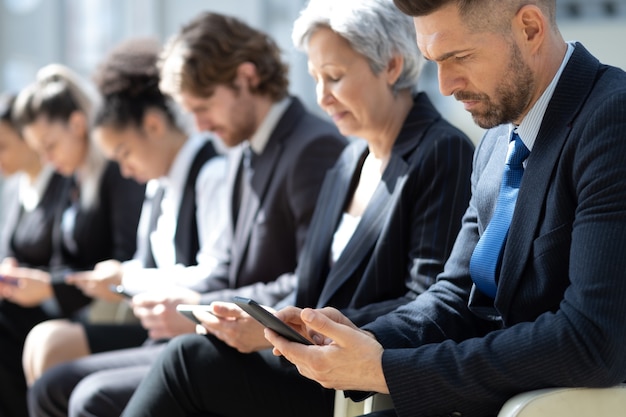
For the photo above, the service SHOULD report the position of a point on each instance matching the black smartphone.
(120, 290)
(269, 320)
(188, 309)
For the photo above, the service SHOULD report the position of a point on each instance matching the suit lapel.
(313, 264)
(264, 167)
(387, 194)
(574, 85)
(369, 229)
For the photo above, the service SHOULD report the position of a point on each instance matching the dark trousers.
(198, 375)
(97, 385)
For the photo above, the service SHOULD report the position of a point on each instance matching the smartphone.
(269, 320)
(188, 309)
(9, 280)
(120, 290)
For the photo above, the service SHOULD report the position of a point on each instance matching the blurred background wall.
(79, 32)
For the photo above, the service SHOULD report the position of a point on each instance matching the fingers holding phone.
(229, 323)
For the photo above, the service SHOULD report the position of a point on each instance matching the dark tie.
(487, 256)
(245, 182)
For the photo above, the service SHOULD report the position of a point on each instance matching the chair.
(345, 407)
(554, 402)
(570, 402)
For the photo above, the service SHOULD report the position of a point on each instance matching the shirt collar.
(529, 128)
(261, 137)
(177, 175)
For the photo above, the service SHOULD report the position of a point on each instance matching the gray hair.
(375, 29)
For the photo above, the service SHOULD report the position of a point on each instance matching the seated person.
(26, 239)
(143, 131)
(382, 229)
(551, 314)
(95, 219)
(232, 79)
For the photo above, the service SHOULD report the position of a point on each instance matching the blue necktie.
(487, 256)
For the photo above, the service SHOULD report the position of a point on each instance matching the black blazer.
(106, 231)
(286, 182)
(407, 230)
(27, 236)
(558, 318)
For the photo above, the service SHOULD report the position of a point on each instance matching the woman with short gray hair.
(383, 226)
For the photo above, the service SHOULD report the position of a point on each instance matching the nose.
(450, 79)
(324, 96)
(202, 124)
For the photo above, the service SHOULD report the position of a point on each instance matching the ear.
(394, 68)
(247, 75)
(153, 124)
(531, 25)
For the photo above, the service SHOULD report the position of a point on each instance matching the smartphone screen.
(269, 320)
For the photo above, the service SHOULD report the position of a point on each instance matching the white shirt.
(529, 128)
(262, 135)
(342, 235)
(211, 217)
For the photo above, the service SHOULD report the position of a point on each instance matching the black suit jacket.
(558, 315)
(27, 235)
(106, 231)
(269, 237)
(407, 230)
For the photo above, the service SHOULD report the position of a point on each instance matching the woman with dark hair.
(142, 129)
(96, 219)
(26, 240)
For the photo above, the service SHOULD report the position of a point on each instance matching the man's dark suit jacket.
(559, 316)
(287, 179)
(407, 230)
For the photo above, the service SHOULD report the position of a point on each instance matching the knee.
(50, 343)
(49, 395)
(90, 398)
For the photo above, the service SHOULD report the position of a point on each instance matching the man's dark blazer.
(559, 313)
(287, 179)
(407, 230)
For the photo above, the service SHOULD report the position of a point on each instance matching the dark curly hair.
(209, 49)
(128, 81)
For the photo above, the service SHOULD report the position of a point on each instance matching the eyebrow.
(446, 56)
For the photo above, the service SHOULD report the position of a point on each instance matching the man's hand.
(157, 311)
(234, 327)
(97, 283)
(344, 356)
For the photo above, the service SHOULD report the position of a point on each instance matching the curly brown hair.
(208, 51)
